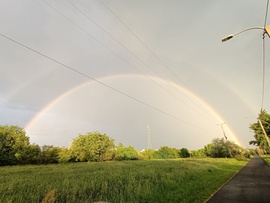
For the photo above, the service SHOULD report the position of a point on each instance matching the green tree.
(166, 152)
(226, 148)
(184, 153)
(200, 153)
(65, 155)
(147, 154)
(260, 139)
(30, 154)
(50, 154)
(208, 149)
(13, 140)
(93, 147)
(234, 150)
(219, 148)
(125, 153)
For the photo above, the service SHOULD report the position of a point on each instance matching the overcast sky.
(133, 69)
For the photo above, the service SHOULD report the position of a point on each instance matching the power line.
(152, 52)
(122, 45)
(100, 82)
(111, 50)
(148, 48)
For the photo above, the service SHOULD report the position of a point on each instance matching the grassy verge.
(182, 180)
(266, 158)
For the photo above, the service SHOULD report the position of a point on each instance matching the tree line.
(15, 149)
(261, 130)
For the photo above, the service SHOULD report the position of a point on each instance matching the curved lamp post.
(266, 30)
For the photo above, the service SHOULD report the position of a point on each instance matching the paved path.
(250, 184)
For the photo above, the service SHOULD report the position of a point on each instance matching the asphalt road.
(250, 184)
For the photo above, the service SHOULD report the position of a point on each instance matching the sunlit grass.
(182, 180)
(266, 158)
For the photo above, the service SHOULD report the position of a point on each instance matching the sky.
(146, 73)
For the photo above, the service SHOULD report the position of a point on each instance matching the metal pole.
(223, 130)
(267, 139)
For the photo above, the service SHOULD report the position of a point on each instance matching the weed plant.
(266, 158)
(181, 180)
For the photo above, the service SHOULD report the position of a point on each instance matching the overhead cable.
(100, 82)
(153, 70)
(111, 50)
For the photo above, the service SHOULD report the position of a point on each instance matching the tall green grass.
(266, 158)
(182, 180)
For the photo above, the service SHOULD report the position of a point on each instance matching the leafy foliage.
(65, 155)
(184, 153)
(228, 149)
(200, 153)
(166, 152)
(208, 149)
(16, 149)
(30, 154)
(260, 139)
(50, 154)
(125, 153)
(147, 154)
(93, 147)
(12, 141)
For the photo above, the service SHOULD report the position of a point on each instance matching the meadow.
(181, 180)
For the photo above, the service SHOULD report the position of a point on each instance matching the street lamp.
(266, 30)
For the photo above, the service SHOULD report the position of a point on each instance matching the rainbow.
(231, 135)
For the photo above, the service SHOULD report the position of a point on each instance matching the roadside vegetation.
(15, 149)
(266, 158)
(94, 169)
(261, 130)
(179, 180)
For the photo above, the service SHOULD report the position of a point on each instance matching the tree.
(184, 153)
(125, 153)
(93, 147)
(166, 152)
(200, 153)
(50, 154)
(222, 149)
(30, 154)
(233, 150)
(219, 148)
(13, 140)
(260, 139)
(208, 149)
(147, 154)
(65, 155)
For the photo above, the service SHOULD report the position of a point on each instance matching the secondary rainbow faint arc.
(70, 91)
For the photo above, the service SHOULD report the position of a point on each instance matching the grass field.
(182, 180)
(266, 158)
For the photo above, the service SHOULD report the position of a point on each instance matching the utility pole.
(223, 130)
(267, 139)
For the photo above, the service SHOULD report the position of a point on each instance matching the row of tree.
(15, 148)
(261, 130)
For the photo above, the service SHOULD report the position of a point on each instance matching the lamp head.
(267, 30)
(227, 38)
